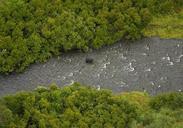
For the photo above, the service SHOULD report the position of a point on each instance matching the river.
(151, 65)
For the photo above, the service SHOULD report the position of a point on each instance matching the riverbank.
(152, 65)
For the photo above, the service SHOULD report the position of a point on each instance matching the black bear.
(89, 60)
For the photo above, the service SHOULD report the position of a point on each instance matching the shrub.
(169, 100)
(85, 107)
(74, 106)
(32, 31)
(165, 6)
(6, 116)
(162, 119)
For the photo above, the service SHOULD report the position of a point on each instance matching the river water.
(151, 65)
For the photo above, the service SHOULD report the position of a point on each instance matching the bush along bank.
(85, 107)
(33, 31)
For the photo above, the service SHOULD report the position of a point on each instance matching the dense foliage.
(165, 6)
(34, 30)
(77, 106)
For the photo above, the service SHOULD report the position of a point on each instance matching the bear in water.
(89, 60)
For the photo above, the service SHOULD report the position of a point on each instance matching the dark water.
(152, 64)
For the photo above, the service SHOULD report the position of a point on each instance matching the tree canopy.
(34, 30)
(85, 107)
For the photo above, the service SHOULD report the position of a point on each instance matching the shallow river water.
(153, 65)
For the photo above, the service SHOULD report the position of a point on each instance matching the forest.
(79, 106)
(32, 31)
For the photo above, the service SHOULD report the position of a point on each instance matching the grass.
(168, 26)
